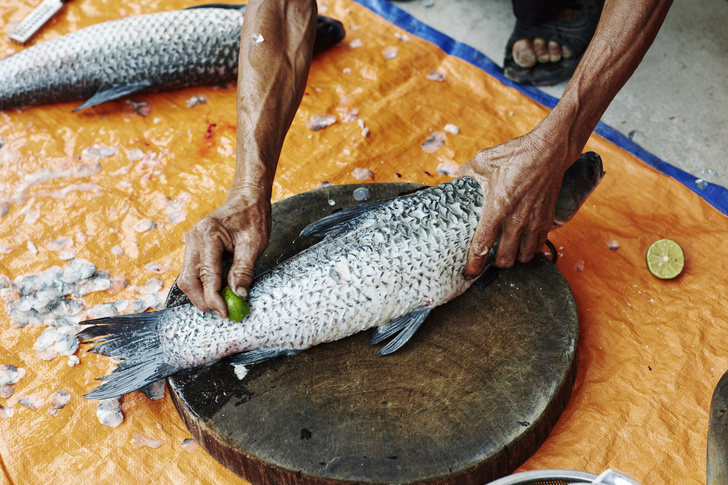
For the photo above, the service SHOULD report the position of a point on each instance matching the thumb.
(481, 248)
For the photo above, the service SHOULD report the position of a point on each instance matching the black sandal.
(575, 35)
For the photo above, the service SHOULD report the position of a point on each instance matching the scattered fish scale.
(59, 399)
(436, 76)
(140, 441)
(30, 401)
(109, 412)
(362, 174)
(6, 412)
(9, 374)
(155, 390)
(7, 390)
(319, 122)
(434, 142)
(189, 444)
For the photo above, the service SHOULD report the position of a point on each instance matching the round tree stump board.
(467, 400)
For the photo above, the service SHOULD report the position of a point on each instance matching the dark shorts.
(537, 11)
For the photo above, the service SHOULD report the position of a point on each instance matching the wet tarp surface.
(119, 184)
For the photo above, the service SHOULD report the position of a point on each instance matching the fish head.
(579, 182)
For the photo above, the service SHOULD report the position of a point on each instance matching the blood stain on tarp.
(210, 130)
(434, 142)
(140, 108)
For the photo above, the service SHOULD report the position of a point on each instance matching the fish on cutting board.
(382, 265)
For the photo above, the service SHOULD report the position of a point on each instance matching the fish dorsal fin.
(338, 221)
(109, 93)
(260, 355)
(219, 5)
(405, 327)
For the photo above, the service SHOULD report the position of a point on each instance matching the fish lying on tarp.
(382, 265)
(159, 51)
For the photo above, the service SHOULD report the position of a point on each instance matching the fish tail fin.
(134, 341)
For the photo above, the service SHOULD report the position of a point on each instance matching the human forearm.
(271, 81)
(626, 30)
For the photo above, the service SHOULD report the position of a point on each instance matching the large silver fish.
(382, 265)
(159, 51)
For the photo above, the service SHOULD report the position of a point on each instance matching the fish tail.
(134, 341)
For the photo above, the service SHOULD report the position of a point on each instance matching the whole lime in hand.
(236, 306)
(665, 259)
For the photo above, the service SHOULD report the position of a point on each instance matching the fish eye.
(591, 173)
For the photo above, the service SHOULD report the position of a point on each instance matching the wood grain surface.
(467, 400)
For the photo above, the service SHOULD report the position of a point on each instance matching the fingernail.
(242, 292)
(485, 252)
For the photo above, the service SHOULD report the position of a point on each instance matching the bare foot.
(526, 52)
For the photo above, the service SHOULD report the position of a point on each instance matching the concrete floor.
(676, 103)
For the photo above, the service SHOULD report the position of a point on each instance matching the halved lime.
(236, 306)
(665, 259)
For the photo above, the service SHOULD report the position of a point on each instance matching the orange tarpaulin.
(119, 187)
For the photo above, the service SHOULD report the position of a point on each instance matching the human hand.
(241, 225)
(520, 180)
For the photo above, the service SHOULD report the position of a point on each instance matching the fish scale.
(154, 47)
(383, 265)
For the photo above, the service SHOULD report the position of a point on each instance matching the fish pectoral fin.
(405, 327)
(260, 355)
(487, 277)
(110, 93)
(339, 221)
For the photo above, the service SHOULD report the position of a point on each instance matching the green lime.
(665, 259)
(236, 306)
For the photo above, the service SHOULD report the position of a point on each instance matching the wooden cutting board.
(467, 400)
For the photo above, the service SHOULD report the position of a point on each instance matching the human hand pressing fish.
(241, 225)
(520, 185)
